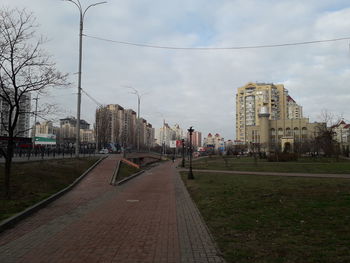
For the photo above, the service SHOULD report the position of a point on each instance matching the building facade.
(68, 129)
(196, 139)
(269, 119)
(214, 143)
(23, 124)
(120, 127)
(253, 96)
(341, 133)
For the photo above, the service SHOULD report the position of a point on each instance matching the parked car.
(104, 151)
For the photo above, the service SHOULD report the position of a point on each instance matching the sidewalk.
(149, 219)
(272, 173)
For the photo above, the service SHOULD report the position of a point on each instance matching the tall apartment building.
(23, 123)
(129, 128)
(118, 126)
(109, 124)
(196, 139)
(253, 96)
(165, 134)
(178, 132)
(266, 116)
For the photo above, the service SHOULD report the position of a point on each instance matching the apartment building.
(341, 132)
(165, 134)
(214, 142)
(196, 139)
(266, 115)
(67, 130)
(253, 96)
(120, 127)
(23, 123)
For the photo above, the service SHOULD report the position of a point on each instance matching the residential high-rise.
(118, 126)
(109, 125)
(129, 128)
(23, 124)
(253, 96)
(268, 119)
(196, 139)
(165, 134)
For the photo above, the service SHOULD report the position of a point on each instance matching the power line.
(218, 48)
(90, 97)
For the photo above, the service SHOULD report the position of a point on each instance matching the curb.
(10, 222)
(115, 173)
(129, 177)
(211, 236)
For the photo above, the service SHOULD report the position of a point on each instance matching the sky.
(197, 87)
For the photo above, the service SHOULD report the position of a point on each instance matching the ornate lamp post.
(183, 153)
(190, 173)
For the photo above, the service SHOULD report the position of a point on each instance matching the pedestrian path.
(149, 219)
(324, 175)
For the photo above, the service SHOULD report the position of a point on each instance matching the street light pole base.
(190, 175)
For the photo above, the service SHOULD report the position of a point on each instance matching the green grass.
(275, 219)
(303, 165)
(125, 171)
(32, 182)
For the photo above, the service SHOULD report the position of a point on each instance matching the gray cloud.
(198, 87)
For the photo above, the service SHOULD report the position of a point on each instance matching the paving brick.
(149, 219)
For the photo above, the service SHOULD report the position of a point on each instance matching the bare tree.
(24, 68)
(103, 126)
(324, 139)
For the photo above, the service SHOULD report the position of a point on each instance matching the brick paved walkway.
(149, 219)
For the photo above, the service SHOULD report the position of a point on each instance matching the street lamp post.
(35, 114)
(190, 173)
(183, 153)
(139, 96)
(82, 16)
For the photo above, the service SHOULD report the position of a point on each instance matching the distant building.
(253, 96)
(179, 134)
(129, 128)
(341, 133)
(23, 124)
(214, 143)
(120, 127)
(67, 131)
(267, 117)
(196, 139)
(165, 134)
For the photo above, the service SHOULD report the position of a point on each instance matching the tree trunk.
(8, 166)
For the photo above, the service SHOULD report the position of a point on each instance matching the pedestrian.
(173, 159)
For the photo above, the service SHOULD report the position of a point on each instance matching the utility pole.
(81, 28)
(36, 112)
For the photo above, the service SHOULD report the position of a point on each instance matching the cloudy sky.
(197, 87)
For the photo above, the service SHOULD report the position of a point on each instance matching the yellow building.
(268, 116)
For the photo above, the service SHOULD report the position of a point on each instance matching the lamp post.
(183, 153)
(139, 96)
(35, 114)
(190, 173)
(82, 16)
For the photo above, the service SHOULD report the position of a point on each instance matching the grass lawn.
(303, 165)
(32, 182)
(125, 171)
(275, 219)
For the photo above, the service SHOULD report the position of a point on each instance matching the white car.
(104, 151)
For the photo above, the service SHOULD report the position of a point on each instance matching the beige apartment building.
(119, 126)
(267, 115)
